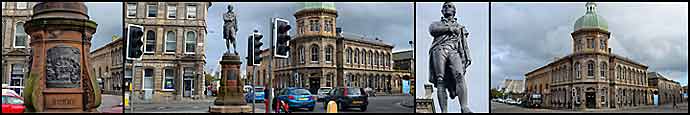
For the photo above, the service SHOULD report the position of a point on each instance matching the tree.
(494, 93)
(209, 79)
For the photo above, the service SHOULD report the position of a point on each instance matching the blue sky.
(525, 36)
(108, 15)
(391, 22)
(475, 16)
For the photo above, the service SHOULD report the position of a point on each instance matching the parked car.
(322, 92)
(12, 102)
(296, 98)
(348, 97)
(258, 94)
(501, 100)
(534, 100)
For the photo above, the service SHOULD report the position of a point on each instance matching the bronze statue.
(230, 29)
(449, 58)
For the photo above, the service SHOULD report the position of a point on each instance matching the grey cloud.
(108, 15)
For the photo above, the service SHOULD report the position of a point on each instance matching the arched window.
(370, 58)
(150, 46)
(348, 53)
(577, 70)
(376, 59)
(301, 54)
(329, 54)
(603, 70)
(362, 57)
(314, 25)
(20, 35)
(618, 72)
(314, 54)
(170, 42)
(328, 27)
(590, 69)
(190, 43)
(356, 54)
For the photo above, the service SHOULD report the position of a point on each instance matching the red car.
(11, 102)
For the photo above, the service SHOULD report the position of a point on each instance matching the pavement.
(109, 104)
(382, 104)
(666, 108)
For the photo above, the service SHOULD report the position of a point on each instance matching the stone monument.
(425, 104)
(230, 97)
(59, 76)
(449, 58)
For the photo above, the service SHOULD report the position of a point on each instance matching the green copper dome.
(317, 5)
(591, 19)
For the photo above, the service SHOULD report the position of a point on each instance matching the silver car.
(322, 92)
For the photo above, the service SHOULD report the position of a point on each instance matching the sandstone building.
(172, 67)
(592, 76)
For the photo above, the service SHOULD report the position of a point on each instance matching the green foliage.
(97, 91)
(494, 93)
(28, 89)
(209, 78)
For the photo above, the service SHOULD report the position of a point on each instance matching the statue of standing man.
(230, 29)
(449, 58)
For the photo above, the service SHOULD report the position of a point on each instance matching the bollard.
(332, 107)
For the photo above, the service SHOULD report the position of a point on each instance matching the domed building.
(322, 55)
(592, 76)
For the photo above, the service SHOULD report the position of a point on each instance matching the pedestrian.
(674, 104)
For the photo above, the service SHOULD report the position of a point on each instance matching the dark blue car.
(258, 95)
(297, 98)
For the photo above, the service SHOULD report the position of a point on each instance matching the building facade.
(106, 63)
(262, 72)
(592, 76)
(172, 67)
(15, 43)
(512, 86)
(667, 90)
(403, 67)
(323, 56)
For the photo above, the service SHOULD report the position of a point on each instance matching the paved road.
(379, 104)
(170, 108)
(109, 103)
(376, 104)
(667, 108)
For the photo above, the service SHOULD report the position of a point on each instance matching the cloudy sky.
(391, 22)
(475, 16)
(525, 36)
(108, 15)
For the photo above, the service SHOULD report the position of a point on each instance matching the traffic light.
(134, 42)
(254, 49)
(281, 37)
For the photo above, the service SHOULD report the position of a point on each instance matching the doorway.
(188, 83)
(314, 84)
(590, 99)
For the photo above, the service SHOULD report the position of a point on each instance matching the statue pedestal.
(230, 109)
(63, 100)
(60, 80)
(230, 97)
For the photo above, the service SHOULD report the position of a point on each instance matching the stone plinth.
(230, 97)
(60, 79)
(230, 109)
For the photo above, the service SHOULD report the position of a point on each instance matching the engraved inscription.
(63, 67)
(63, 101)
